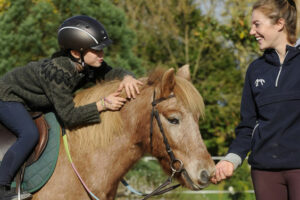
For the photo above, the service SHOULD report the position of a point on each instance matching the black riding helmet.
(82, 33)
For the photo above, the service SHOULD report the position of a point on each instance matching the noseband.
(154, 114)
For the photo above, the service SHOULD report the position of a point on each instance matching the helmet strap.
(86, 69)
(82, 59)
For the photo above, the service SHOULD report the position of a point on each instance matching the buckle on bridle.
(173, 167)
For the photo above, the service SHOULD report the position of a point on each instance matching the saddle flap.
(43, 128)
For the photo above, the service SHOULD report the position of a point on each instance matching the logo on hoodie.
(259, 82)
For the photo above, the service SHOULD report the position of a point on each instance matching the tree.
(237, 31)
(162, 29)
(4, 4)
(28, 30)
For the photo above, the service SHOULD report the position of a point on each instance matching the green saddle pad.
(37, 174)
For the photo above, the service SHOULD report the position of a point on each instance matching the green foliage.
(28, 31)
(145, 171)
(25, 37)
(237, 30)
(219, 81)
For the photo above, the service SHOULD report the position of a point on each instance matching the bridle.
(154, 114)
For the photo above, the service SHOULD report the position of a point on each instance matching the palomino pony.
(103, 153)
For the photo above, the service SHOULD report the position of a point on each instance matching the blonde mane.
(101, 134)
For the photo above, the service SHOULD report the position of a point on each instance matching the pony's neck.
(103, 169)
(107, 165)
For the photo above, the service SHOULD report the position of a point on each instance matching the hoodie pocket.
(253, 138)
(254, 129)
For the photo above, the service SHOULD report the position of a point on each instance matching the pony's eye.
(173, 120)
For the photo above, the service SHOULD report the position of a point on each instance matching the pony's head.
(179, 106)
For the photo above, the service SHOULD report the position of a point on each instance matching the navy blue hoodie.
(270, 112)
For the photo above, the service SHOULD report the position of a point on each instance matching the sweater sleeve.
(62, 99)
(242, 143)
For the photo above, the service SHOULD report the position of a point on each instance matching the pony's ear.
(184, 72)
(168, 83)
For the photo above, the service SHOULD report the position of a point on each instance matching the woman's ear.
(75, 54)
(280, 24)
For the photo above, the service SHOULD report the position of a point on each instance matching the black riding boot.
(7, 194)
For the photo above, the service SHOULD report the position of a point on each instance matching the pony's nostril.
(204, 177)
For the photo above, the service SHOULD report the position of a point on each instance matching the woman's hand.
(131, 86)
(224, 170)
(111, 102)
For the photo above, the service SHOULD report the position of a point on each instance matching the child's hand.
(131, 86)
(111, 102)
(114, 101)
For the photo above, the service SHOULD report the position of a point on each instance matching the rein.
(65, 140)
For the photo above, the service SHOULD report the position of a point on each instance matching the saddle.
(43, 129)
(8, 138)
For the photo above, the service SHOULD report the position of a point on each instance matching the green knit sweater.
(49, 84)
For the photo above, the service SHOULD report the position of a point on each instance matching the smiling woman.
(270, 108)
(272, 26)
